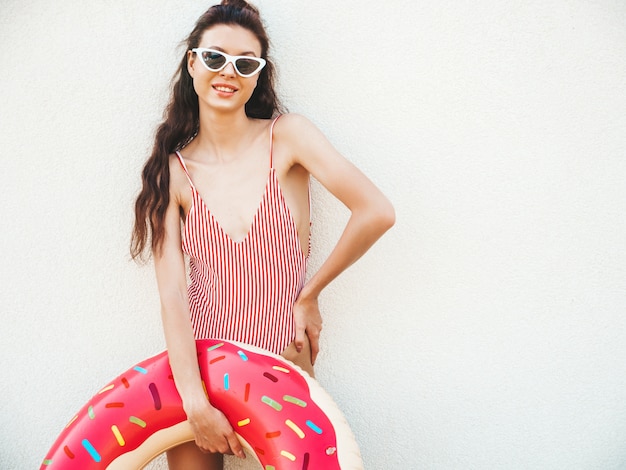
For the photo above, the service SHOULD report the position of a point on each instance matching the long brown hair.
(181, 121)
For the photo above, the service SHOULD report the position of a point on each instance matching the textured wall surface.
(485, 331)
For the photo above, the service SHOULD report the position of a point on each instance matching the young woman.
(227, 185)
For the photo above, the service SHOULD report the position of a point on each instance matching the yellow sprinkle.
(243, 422)
(288, 455)
(71, 421)
(118, 435)
(106, 389)
(294, 427)
(281, 369)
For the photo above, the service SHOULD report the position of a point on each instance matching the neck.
(222, 134)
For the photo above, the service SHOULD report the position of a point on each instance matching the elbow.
(389, 217)
(385, 216)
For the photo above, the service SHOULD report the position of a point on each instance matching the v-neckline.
(217, 223)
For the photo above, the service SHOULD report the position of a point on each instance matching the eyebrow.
(218, 48)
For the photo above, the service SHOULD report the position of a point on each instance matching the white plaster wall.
(485, 331)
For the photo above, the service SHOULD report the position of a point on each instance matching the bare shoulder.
(299, 137)
(293, 125)
(176, 169)
(288, 134)
(178, 179)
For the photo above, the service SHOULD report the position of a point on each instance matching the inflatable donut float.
(280, 414)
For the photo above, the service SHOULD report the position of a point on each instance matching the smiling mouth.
(225, 89)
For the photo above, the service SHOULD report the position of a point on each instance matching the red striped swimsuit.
(245, 291)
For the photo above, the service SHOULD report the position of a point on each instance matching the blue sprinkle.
(242, 355)
(226, 382)
(314, 427)
(141, 370)
(89, 448)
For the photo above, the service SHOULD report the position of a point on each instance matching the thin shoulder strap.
(272, 141)
(182, 163)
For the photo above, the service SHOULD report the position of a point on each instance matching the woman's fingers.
(235, 445)
(214, 433)
(314, 340)
(300, 337)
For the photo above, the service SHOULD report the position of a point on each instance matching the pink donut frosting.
(266, 400)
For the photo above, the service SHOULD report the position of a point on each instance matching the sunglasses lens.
(213, 60)
(247, 66)
(216, 60)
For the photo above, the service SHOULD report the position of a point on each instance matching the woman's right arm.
(213, 432)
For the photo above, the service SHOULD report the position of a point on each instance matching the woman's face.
(225, 90)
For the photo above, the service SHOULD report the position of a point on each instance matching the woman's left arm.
(371, 216)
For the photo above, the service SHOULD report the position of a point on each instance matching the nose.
(229, 70)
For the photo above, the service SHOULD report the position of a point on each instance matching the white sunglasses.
(246, 66)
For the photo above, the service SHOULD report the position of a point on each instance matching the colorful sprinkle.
(91, 413)
(115, 404)
(314, 427)
(281, 369)
(271, 435)
(305, 464)
(92, 451)
(215, 346)
(246, 394)
(270, 467)
(71, 421)
(156, 398)
(141, 370)
(242, 355)
(68, 452)
(139, 422)
(47, 462)
(274, 404)
(106, 389)
(243, 422)
(226, 381)
(295, 401)
(125, 382)
(118, 436)
(331, 450)
(273, 378)
(259, 451)
(217, 359)
(294, 427)
(288, 455)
